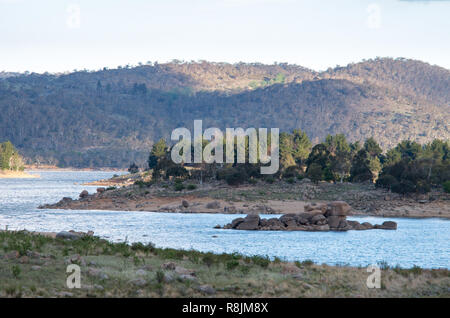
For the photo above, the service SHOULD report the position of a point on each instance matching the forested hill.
(111, 117)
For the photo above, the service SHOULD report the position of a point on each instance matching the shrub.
(15, 270)
(262, 261)
(178, 187)
(290, 180)
(233, 176)
(423, 186)
(191, 187)
(403, 187)
(160, 276)
(385, 181)
(270, 180)
(232, 264)
(133, 168)
(177, 171)
(208, 259)
(446, 186)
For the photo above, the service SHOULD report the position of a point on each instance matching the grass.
(35, 266)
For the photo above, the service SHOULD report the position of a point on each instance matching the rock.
(218, 226)
(289, 221)
(206, 289)
(99, 287)
(35, 267)
(97, 273)
(101, 190)
(367, 225)
(12, 255)
(236, 222)
(338, 208)
(184, 271)
(140, 282)
(318, 218)
(168, 277)
(185, 203)
(316, 207)
(84, 194)
(343, 225)
(353, 224)
(389, 225)
(213, 205)
(324, 227)
(65, 294)
(298, 276)
(334, 221)
(67, 235)
(305, 180)
(169, 266)
(251, 222)
(141, 272)
(187, 277)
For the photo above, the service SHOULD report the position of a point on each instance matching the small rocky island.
(316, 217)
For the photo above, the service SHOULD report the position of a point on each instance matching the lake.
(421, 242)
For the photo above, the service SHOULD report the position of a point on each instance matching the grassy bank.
(35, 266)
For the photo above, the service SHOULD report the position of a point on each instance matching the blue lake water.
(422, 242)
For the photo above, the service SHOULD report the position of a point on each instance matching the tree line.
(10, 158)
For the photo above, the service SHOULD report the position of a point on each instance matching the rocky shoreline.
(270, 199)
(316, 217)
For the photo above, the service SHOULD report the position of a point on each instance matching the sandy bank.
(17, 175)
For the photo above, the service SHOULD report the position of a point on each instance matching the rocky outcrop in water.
(316, 217)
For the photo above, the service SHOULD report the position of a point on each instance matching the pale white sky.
(63, 35)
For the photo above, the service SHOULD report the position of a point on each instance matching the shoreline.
(18, 175)
(192, 204)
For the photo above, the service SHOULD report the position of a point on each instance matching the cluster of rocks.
(316, 217)
(66, 201)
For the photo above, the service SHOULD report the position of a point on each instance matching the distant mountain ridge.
(111, 117)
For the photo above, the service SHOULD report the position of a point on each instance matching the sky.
(60, 35)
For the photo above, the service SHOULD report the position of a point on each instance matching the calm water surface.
(425, 243)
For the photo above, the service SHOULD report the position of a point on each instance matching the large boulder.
(273, 224)
(84, 194)
(318, 219)
(316, 207)
(289, 219)
(334, 221)
(387, 225)
(236, 222)
(367, 225)
(338, 208)
(324, 227)
(251, 222)
(68, 235)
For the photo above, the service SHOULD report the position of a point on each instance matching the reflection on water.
(416, 242)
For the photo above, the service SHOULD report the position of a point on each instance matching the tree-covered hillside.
(112, 117)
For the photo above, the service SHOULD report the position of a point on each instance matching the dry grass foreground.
(35, 266)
